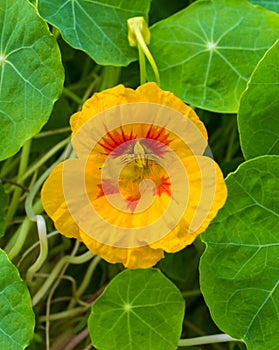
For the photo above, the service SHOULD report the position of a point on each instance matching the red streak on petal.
(114, 139)
(165, 187)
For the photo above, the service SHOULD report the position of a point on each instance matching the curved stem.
(67, 259)
(147, 53)
(209, 339)
(43, 249)
(33, 246)
(16, 243)
(67, 92)
(86, 280)
(42, 160)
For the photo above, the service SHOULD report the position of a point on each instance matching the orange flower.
(140, 184)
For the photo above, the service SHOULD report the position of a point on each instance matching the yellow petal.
(208, 194)
(142, 257)
(54, 204)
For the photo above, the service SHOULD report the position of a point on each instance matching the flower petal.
(54, 203)
(142, 257)
(208, 194)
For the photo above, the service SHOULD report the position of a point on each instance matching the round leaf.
(207, 52)
(139, 309)
(239, 269)
(95, 26)
(31, 74)
(17, 319)
(259, 105)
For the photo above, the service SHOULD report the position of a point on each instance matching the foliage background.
(221, 57)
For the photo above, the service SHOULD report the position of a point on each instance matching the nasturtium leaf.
(258, 112)
(31, 74)
(139, 309)
(239, 269)
(17, 319)
(95, 26)
(272, 5)
(207, 52)
(3, 203)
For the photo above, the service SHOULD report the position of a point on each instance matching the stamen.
(139, 153)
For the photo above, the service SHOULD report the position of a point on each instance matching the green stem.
(147, 53)
(41, 225)
(33, 246)
(65, 314)
(16, 243)
(142, 65)
(209, 339)
(42, 160)
(9, 165)
(86, 280)
(64, 130)
(67, 92)
(67, 259)
(191, 293)
(109, 77)
(17, 192)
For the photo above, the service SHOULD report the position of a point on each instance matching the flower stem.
(147, 53)
(139, 36)
(209, 339)
(142, 65)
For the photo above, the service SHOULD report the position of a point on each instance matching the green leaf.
(259, 105)
(17, 319)
(3, 203)
(139, 309)
(272, 5)
(31, 74)
(239, 269)
(207, 52)
(95, 26)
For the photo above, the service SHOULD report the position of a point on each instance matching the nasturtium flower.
(140, 183)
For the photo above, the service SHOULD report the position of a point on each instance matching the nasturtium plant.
(4, 202)
(139, 309)
(239, 269)
(257, 119)
(165, 128)
(96, 27)
(213, 47)
(31, 74)
(17, 319)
